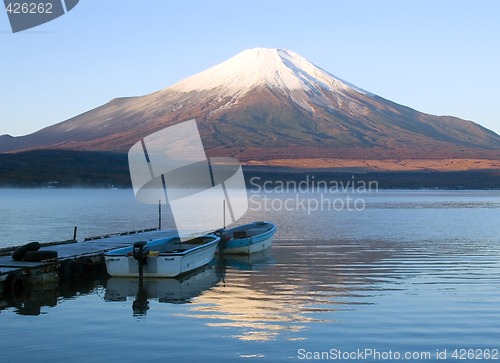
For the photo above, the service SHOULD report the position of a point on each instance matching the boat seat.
(194, 241)
(239, 234)
(256, 231)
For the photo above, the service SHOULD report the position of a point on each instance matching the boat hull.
(163, 264)
(247, 246)
(251, 244)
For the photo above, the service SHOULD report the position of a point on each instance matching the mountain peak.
(271, 104)
(276, 68)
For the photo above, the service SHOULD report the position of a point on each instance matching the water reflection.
(303, 283)
(263, 295)
(35, 297)
(289, 287)
(255, 261)
(284, 292)
(166, 290)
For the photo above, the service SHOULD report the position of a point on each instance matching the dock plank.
(87, 248)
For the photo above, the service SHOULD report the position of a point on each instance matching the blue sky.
(440, 57)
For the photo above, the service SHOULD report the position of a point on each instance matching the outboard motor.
(140, 252)
(224, 238)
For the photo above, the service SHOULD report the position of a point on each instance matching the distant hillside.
(101, 169)
(67, 168)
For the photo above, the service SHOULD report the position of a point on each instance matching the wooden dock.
(74, 259)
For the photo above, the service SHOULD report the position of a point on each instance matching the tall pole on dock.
(74, 234)
(159, 214)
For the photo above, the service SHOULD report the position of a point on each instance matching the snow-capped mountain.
(282, 70)
(267, 104)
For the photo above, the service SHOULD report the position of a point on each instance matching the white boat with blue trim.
(247, 238)
(166, 257)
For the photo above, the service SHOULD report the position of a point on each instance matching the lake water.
(393, 274)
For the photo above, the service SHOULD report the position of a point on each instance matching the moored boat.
(248, 238)
(167, 257)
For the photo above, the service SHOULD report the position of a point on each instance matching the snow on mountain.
(280, 69)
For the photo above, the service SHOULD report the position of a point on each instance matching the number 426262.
(29, 8)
